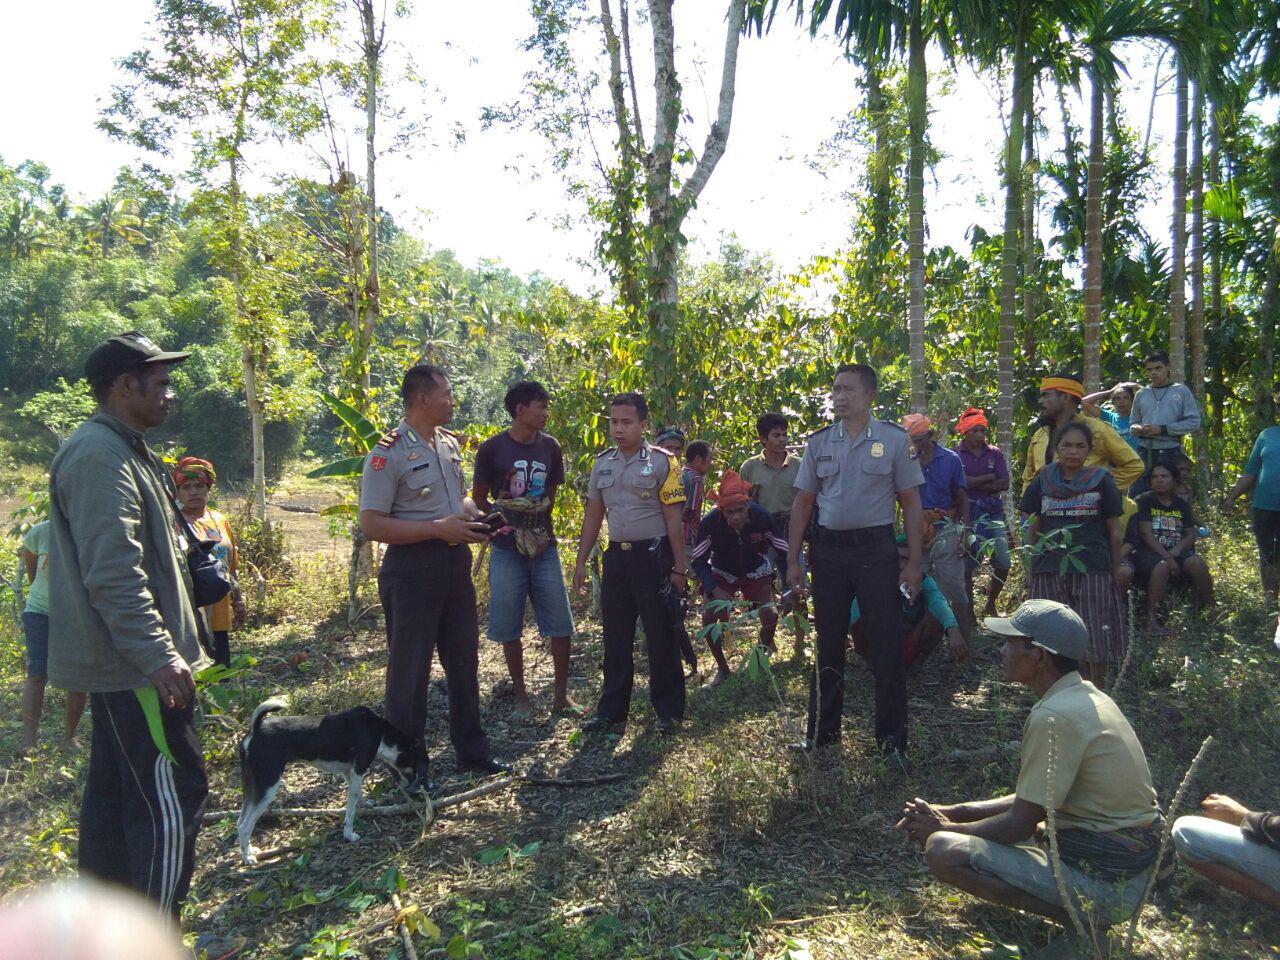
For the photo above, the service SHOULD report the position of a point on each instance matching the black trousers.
(222, 647)
(629, 588)
(861, 564)
(430, 605)
(141, 812)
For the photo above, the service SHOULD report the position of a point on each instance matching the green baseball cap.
(1048, 624)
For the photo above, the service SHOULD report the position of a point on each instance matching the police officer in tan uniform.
(854, 470)
(412, 497)
(638, 487)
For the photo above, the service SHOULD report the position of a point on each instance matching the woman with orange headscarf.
(194, 479)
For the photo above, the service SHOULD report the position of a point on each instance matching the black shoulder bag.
(209, 577)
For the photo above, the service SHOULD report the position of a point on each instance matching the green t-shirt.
(37, 541)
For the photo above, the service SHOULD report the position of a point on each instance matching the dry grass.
(717, 845)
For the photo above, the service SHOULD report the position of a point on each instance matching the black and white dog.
(345, 743)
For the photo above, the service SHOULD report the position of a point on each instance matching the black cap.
(123, 353)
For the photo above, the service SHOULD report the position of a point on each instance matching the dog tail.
(265, 707)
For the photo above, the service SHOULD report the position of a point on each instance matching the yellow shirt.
(214, 526)
(1109, 450)
(1101, 780)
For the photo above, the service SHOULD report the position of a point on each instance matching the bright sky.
(494, 196)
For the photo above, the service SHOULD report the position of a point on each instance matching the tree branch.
(625, 14)
(718, 136)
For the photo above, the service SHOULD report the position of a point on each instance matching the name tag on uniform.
(825, 458)
(421, 466)
(877, 449)
(605, 472)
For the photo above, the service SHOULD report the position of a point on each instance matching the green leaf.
(341, 510)
(491, 855)
(361, 428)
(346, 467)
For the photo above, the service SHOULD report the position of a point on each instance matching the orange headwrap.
(1064, 385)
(733, 490)
(917, 424)
(973, 417)
(193, 468)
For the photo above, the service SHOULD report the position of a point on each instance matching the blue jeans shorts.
(36, 627)
(512, 580)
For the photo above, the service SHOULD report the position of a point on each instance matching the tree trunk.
(1093, 244)
(667, 211)
(248, 356)
(1217, 385)
(1009, 253)
(1196, 269)
(1030, 257)
(1178, 251)
(917, 118)
(1264, 406)
(623, 182)
(372, 292)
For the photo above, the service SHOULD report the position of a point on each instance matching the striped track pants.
(141, 811)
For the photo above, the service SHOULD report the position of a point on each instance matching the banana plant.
(362, 435)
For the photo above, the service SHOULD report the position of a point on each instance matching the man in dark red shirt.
(986, 478)
(735, 554)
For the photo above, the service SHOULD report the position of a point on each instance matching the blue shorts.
(990, 543)
(513, 579)
(36, 627)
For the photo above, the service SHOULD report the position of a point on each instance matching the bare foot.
(566, 707)
(523, 709)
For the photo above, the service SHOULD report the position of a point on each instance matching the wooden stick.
(406, 939)
(444, 803)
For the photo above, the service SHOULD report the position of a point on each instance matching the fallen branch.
(444, 803)
(402, 928)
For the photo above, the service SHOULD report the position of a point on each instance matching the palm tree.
(877, 30)
(113, 220)
(1104, 27)
(22, 230)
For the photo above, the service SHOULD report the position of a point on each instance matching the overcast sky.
(494, 195)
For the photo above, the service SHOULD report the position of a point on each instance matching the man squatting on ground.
(522, 468)
(123, 626)
(413, 498)
(771, 476)
(637, 487)
(1106, 815)
(734, 554)
(852, 470)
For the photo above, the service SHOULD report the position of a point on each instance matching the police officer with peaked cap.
(853, 470)
(638, 487)
(413, 498)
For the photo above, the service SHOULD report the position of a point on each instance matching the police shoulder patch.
(389, 438)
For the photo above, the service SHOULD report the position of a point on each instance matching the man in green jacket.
(123, 626)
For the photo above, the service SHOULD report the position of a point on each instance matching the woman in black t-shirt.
(1075, 540)
(1165, 545)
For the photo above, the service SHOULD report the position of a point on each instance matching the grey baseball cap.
(123, 353)
(1048, 624)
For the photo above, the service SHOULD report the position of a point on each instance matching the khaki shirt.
(856, 478)
(634, 490)
(773, 489)
(1109, 450)
(411, 477)
(1101, 781)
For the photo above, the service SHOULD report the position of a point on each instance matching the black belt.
(635, 544)
(863, 536)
